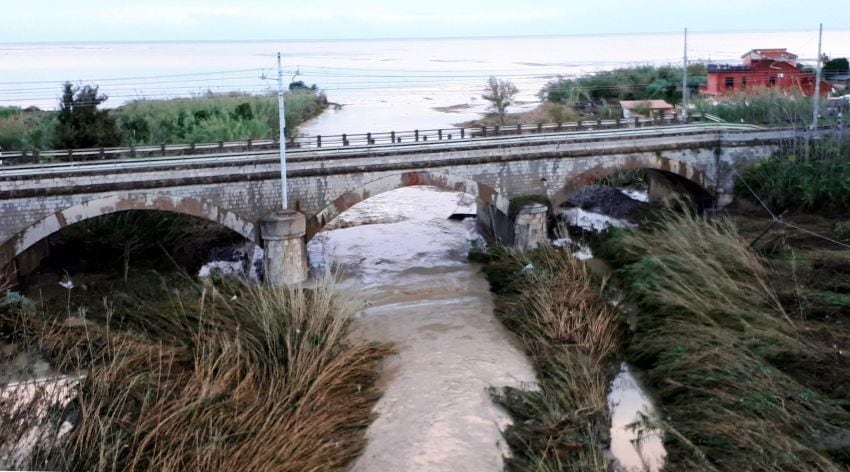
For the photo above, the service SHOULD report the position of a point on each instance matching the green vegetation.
(723, 355)
(80, 124)
(571, 336)
(802, 176)
(837, 66)
(208, 118)
(26, 130)
(635, 83)
(230, 117)
(763, 106)
(179, 375)
(842, 231)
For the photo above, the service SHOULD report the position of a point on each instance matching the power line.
(137, 77)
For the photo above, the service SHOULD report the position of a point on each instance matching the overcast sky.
(125, 20)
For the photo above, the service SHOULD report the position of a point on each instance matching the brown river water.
(402, 265)
(413, 287)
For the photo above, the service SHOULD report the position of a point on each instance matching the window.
(743, 82)
(772, 81)
(730, 82)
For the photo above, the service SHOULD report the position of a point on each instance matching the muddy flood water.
(410, 277)
(402, 264)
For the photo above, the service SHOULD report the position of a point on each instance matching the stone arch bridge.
(242, 190)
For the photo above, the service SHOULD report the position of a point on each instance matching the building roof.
(653, 104)
(774, 53)
(720, 68)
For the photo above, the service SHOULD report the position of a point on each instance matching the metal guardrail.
(334, 141)
(328, 154)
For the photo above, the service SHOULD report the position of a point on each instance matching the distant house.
(761, 68)
(633, 108)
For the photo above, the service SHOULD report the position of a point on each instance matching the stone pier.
(530, 227)
(285, 258)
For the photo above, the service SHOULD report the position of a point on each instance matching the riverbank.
(746, 369)
(741, 337)
(550, 301)
(172, 374)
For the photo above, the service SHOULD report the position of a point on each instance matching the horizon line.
(413, 38)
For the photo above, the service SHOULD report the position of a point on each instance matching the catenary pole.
(282, 131)
(816, 98)
(685, 80)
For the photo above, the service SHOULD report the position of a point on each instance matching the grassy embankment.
(713, 337)
(571, 336)
(209, 118)
(181, 375)
(748, 348)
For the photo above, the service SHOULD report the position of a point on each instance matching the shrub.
(802, 176)
(80, 124)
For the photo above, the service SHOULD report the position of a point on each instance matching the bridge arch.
(671, 167)
(484, 193)
(51, 224)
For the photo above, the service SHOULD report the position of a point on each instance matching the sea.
(379, 85)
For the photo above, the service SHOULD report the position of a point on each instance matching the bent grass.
(214, 377)
(708, 326)
(571, 336)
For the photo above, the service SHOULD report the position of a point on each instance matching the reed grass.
(762, 105)
(215, 117)
(812, 177)
(571, 336)
(211, 377)
(707, 335)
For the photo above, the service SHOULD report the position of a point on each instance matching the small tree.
(80, 124)
(500, 94)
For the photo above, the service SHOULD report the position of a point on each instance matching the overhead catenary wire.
(778, 219)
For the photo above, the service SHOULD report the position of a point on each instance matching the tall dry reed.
(709, 327)
(571, 335)
(225, 377)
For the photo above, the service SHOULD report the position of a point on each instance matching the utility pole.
(685, 80)
(282, 130)
(816, 98)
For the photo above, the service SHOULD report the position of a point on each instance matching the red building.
(761, 68)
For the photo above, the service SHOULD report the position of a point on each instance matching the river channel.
(402, 265)
(409, 278)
